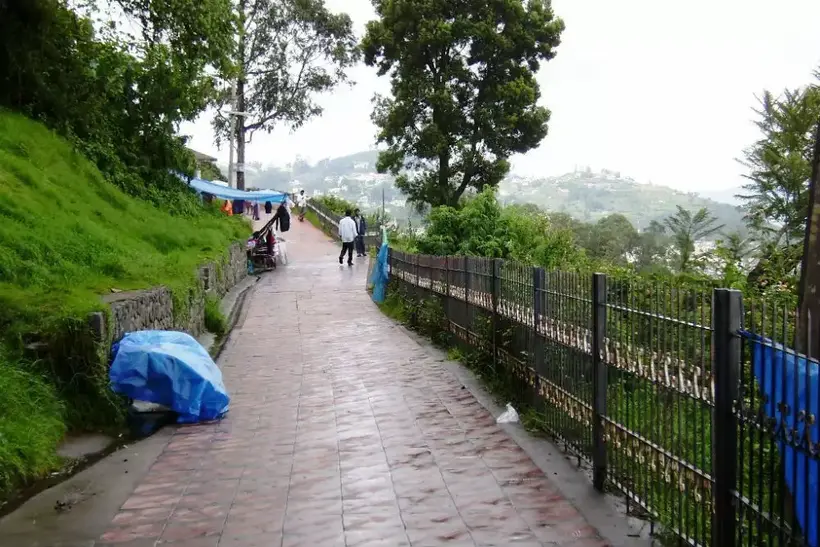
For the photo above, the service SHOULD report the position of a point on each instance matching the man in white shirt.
(347, 232)
(301, 201)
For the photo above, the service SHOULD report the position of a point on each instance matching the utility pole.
(809, 297)
(231, 137)
(240, 104)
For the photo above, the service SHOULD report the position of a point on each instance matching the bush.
(215, 320)
(334, 204)
(482, 227)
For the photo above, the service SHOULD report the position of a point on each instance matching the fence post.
(447, 278)
(599, 381)
(465, 261)
(496, 267)
(726, 322)
(537, 339)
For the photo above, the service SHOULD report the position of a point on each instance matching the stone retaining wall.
(153, 309)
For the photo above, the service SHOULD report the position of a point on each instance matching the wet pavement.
(343, 431)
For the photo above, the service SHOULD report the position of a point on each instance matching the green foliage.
(483, 228)
(210, 171)
(464, 94)
(120, 100)
(215, 320)
(688, 228)
(612, 239)
(289, 51)
(777, 194)
(334, 204)
(67, 236)
(731, 252)
(31, 427)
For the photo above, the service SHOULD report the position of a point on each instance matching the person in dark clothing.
(361, 229)
(268, 207)
(281, 220)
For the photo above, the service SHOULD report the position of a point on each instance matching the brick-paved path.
(342, 432)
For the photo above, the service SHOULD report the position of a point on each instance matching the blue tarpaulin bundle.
(171, 369)
(378, 278)
(790, 378)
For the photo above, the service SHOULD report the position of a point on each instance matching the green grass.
(215, 320)
(68, 236)
(31, 427)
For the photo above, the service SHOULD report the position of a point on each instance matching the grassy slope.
(67, 236)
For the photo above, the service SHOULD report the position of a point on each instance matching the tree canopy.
(289, 51)
(464, 94)
(688, 228)
(779, 169)
(120, 98)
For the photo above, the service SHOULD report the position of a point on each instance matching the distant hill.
(586, 195)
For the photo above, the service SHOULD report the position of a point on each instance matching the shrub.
(31, 426)
(215, 320)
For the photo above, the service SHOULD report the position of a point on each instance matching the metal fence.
(658, 388)
(330, 223)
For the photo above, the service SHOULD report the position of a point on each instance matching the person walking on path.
(361, 229)
(281, 220)
(347, 232)
(268, 207)
(256, 210)
(301, 201)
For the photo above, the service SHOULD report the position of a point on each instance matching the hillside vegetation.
(67, 235)
(586, 196)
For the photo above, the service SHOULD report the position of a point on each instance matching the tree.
(779, 167)
(652, 248)
(731, 252)
(120, 99)
(687, 229)
(612, 239)
(288, 51)
(464, 94)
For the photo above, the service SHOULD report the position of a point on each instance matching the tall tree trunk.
(809, 297)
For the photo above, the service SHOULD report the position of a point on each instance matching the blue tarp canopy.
(225, 192)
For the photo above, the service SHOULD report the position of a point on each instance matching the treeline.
(763, 262)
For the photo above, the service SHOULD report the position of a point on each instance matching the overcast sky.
(661, 91)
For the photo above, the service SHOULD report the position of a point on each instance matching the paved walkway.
(343, 431)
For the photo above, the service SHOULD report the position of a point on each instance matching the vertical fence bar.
(537, 276)
(599, 381)
(726, 322)
(495, 265)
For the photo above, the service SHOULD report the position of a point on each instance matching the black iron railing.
(330, 223)
(654, 386)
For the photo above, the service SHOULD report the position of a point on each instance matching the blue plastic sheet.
(786, 377)
(381, 271)
(225, 192)
(171, 369)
